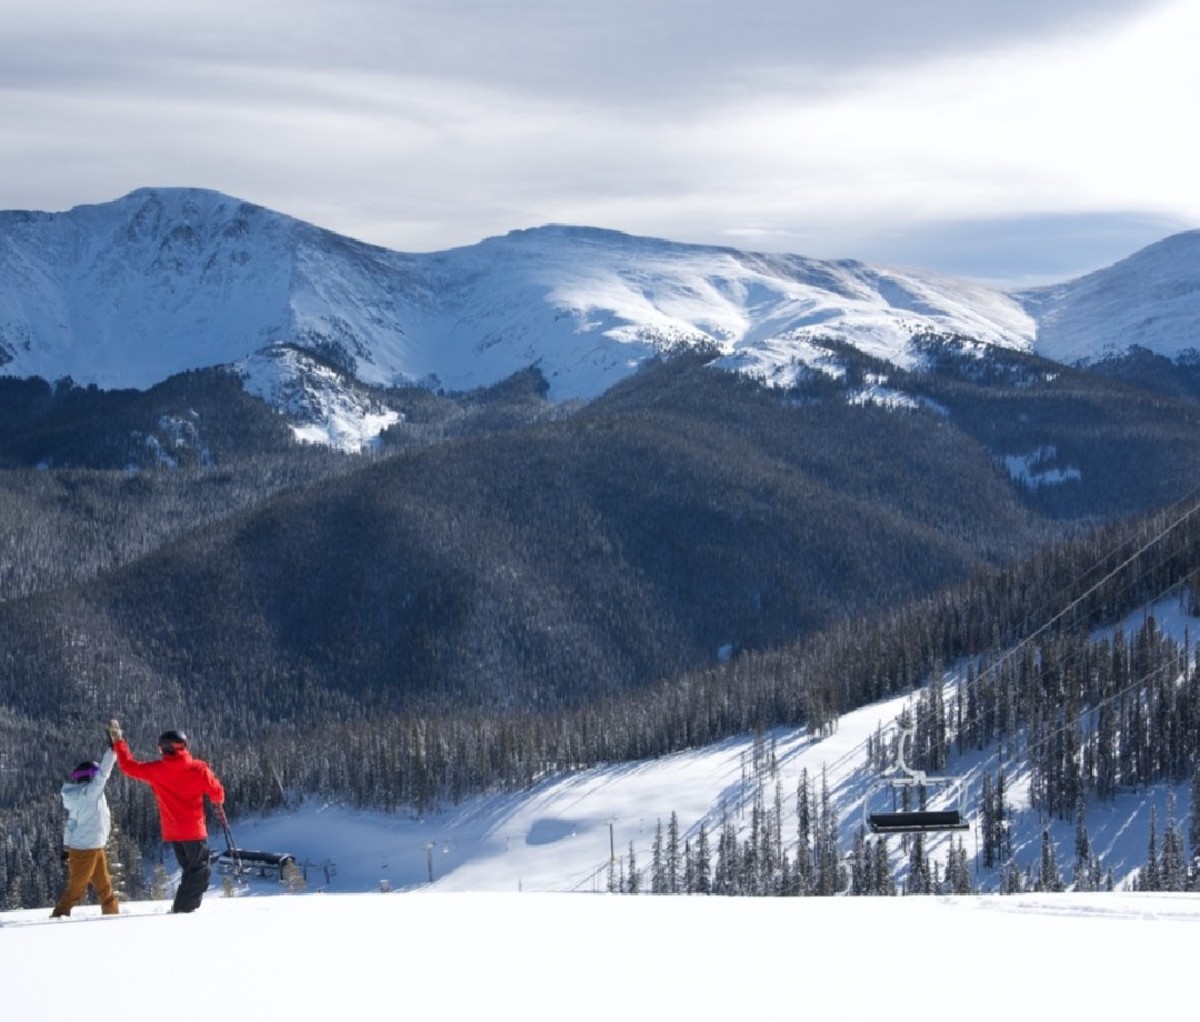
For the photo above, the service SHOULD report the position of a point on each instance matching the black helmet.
(171, 742)
(85, 771)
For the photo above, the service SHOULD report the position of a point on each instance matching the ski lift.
(240, 862)
(905, 778)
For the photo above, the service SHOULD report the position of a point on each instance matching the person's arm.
(215, 790)
(131, 767)
(107, 761)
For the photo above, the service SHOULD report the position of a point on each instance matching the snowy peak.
(128, 293)
(1150, 299)
(636, 297)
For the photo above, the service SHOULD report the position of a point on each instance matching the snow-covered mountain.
(127, 293)
(1150, 299)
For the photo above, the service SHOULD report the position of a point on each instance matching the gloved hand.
(66, 855)
(115, 734)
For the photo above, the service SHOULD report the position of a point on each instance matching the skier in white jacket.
(85, 835)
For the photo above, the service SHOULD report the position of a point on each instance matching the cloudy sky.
(1013, 140)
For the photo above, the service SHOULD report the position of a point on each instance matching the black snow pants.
(193, 860)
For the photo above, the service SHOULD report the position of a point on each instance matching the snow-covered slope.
(559, 836)
(126, 293)
(587, 306)
(1151, 299)
(593, 959)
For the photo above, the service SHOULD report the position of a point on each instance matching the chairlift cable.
(930, 822)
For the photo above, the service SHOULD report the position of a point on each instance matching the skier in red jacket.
(180, 783)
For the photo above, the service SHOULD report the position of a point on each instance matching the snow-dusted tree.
(1172, 872)
(703, 865)
(826, 855)
(803, 810)
(658, 873)
(725, 873)
(773, 848)
(673, 864)
(1049, 878)
(1011, 881)
(884, 883)
(1082, 870)
(958, 870)
(633, 883)
(987, 824)
(1194, 815)
(920, 876)
(1150, 879)
(861, 880)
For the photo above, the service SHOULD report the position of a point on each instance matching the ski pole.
(230, 846)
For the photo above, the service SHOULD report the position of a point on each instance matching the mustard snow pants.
(86, 866)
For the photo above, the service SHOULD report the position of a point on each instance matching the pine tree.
(1194, 810)
(1083, 850)
(658, 875)
(1049, 878)
(703, 866)
(1150, 880)
(1172, 866)
(885, 884)
(987, 822)
(958, 871)
(673, 866)
(861, 880)
(920, 877)
(1010, 878)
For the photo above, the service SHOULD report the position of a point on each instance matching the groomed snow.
(595, 958)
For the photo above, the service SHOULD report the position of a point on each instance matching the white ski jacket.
(88, 818)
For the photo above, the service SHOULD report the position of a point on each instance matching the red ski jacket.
(180, 784)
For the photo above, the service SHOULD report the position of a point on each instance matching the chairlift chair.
(241, 862)
(902, 778)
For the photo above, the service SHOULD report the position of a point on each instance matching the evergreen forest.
(505, 588)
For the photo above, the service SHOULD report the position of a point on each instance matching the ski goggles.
(85, 773)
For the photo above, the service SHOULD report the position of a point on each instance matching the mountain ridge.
(167, 280)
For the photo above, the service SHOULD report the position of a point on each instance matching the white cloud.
(424, 125)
